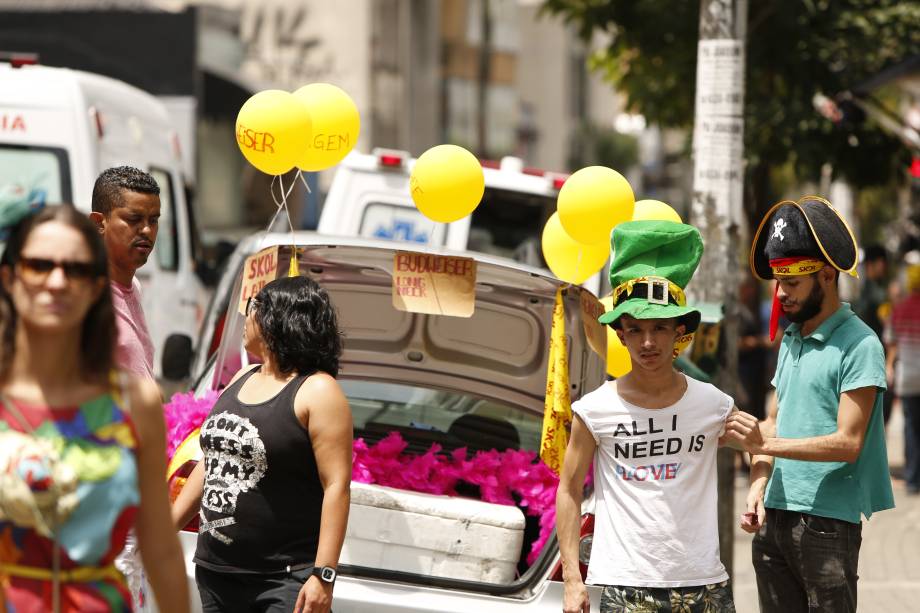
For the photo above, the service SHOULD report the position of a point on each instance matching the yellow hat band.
(673, 290)
(799, 267)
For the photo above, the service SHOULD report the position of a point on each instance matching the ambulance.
(59, 128)
(369, 198)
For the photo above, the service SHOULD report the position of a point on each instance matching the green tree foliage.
(795, 49)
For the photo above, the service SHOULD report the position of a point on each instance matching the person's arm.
(761, 469)
(890, 357)
(157, 540)
(323, 408)
(578, 456)
(188, 502)
(842, 445)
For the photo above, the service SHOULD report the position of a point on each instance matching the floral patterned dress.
(68, 495)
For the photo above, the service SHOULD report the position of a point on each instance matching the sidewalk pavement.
(889, 559)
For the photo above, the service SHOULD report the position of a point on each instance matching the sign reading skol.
(258, 270)
(434, 284)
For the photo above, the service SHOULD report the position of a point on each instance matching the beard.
(810, 307)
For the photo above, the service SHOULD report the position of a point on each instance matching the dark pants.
(249, 593)
(911, 407)
(806, 563)
(716, 598)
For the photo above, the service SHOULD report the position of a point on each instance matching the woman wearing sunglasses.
(273, 488)
(82, 453)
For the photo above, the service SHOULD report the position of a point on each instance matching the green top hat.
(653, 261)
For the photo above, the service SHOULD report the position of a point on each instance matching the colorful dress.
(73, 469)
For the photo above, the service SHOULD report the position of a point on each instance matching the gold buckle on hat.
(652, 283)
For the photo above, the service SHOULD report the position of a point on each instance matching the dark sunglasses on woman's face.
(36, 270)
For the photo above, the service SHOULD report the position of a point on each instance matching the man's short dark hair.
(107, 192)
(875, 252)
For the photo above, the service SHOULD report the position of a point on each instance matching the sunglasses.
(36, 271)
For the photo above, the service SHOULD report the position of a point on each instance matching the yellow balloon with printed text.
(655, 209)
(336, 125)
(592, 201)
(618, 362)
(568, 259)
(447, 183)
(272, 129)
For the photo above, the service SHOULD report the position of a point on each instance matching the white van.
(369, 197)
(59, 128)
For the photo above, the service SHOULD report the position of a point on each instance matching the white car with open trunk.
(473, 382)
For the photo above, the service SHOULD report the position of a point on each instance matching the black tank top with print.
(263, 498)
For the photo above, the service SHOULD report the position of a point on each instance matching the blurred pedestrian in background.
(903, 342)
(82, 453)
(873, 305)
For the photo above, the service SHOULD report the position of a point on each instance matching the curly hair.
(107, 192)
(299, 325)
(97, 338)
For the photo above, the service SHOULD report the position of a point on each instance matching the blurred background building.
(495, 76)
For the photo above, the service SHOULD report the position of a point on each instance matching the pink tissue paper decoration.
(183, 414)
(509, 477)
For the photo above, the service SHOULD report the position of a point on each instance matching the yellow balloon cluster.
(311, 129)
(447, 183)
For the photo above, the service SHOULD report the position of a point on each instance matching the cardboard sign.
(434, 284)
(258, 270)
(595, 332)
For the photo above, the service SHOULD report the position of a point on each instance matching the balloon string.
(294, 268)
(304, 181)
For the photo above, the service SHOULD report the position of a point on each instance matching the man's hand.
(314, 597)
(744, 429)
(756, 515)
(576, 597)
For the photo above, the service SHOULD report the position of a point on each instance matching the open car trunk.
(433, 384)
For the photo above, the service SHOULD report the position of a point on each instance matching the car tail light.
(585, 541)
(18, 60)
(175, 485)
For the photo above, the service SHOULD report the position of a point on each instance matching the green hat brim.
(640, 308)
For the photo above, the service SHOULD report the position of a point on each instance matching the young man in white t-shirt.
(652, 435)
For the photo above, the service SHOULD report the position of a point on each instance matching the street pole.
(717, 205)
(484, 75)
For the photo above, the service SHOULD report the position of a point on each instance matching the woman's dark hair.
(299, 325)
(97, 339)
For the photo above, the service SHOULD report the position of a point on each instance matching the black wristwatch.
(326, 574)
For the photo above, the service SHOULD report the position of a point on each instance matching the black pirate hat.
(808, 229)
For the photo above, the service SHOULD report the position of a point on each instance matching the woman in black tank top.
(272, 490)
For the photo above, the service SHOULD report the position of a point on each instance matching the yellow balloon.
(592, 201)
(272, 129)
(568, 259)
(336, 125)
(447, 183)
(655, 209)
(618, 361)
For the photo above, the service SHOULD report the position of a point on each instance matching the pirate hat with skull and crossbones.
(799, 238)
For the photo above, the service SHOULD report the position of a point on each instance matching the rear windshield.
(34, 175)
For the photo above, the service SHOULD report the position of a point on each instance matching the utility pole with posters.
(717, 204)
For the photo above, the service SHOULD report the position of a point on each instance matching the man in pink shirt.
(126, 208)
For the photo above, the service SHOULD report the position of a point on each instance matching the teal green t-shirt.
(841, 355)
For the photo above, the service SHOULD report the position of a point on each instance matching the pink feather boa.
(502, 477)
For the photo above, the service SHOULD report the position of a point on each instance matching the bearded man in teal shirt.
(819, 459)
